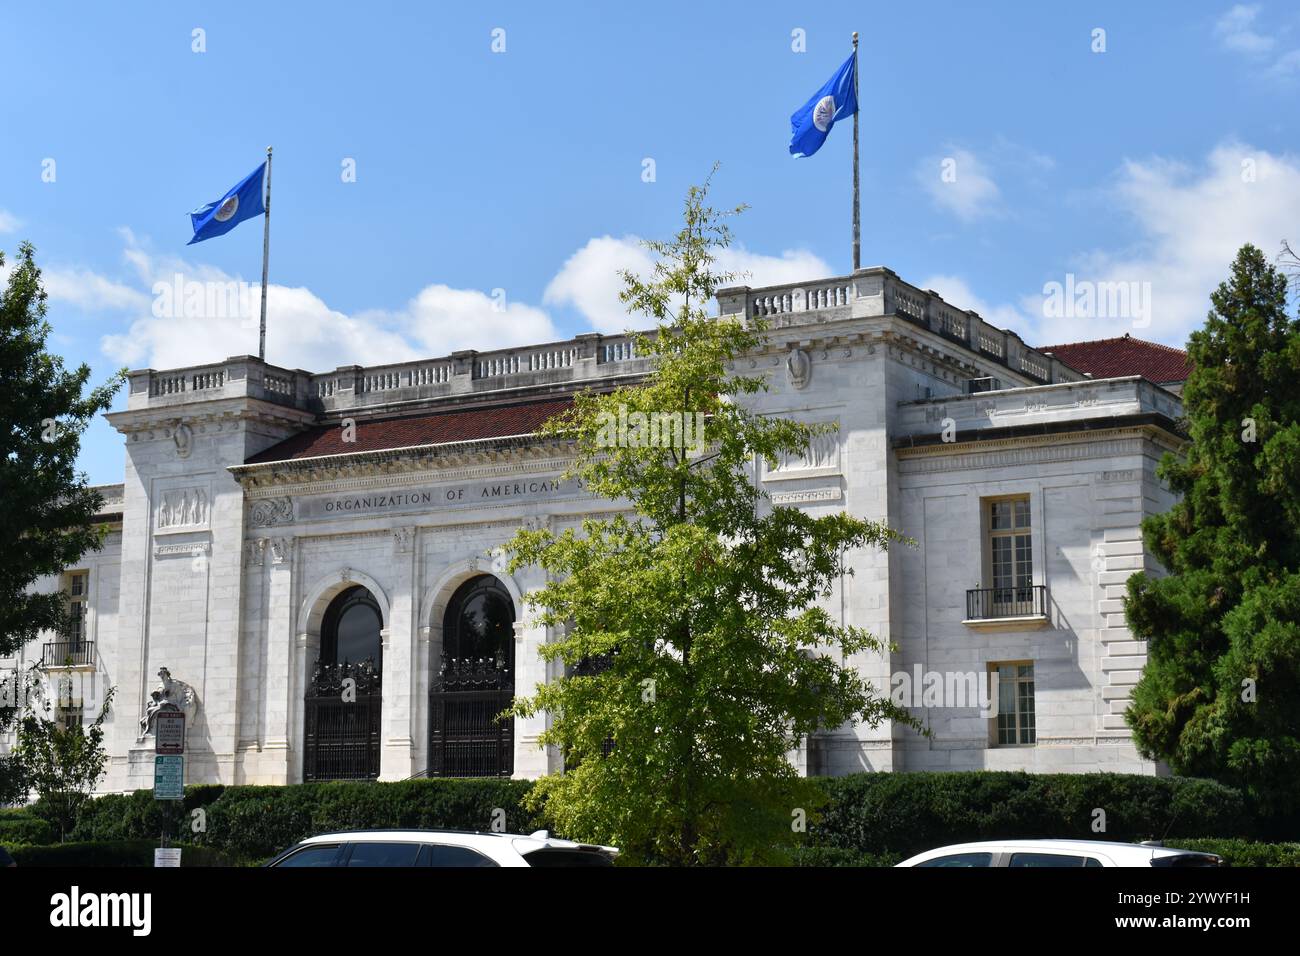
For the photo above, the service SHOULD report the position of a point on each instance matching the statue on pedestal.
(170, 694)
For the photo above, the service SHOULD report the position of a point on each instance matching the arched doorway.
(343, 700)
(474, 683)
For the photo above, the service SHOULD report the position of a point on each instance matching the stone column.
(397, 747)
(306, 650)
(530, 670)
(283, 688)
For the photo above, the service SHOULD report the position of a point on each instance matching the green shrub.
(132, 853)
(906, 813)
(1243, 852)
(21, 826)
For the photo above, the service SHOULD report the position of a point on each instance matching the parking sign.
(168, 777)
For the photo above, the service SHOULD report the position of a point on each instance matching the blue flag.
(813, 121)
(243, 201)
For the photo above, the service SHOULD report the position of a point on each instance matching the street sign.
(166, 856)
(168, 777)
(169, 732)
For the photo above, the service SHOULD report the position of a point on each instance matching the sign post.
(168, 773)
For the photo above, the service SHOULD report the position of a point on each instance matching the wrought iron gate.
(342, 732)
(467, 735)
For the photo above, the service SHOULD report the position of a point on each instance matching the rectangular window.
(1014, 723)
(70, 714)
(77, 589)
(1010, 551)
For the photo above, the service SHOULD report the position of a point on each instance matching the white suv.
(1021, 853)
(363, 848)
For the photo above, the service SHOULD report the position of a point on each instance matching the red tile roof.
(1111, 358)
(497, 421)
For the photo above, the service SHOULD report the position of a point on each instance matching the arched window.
(474, 684)
(344, 697)
(480, 623)
(350, 631)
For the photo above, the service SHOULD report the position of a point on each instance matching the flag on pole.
(243, 201)
(813, 121)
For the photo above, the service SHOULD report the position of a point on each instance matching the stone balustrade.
(588, 357)
(878, 291)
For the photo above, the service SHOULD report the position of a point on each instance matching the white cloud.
(302, 330)
(590, 281)
(9, 222)
(444, 320)
(89, 290)
(960, 183)
(1236, 31)
(1190, 223)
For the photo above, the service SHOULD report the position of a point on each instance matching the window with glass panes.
(1015, 719)
(77, 588)
(1010, 550)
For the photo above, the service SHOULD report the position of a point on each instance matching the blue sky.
(522, 171)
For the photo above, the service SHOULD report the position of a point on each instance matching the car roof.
(1106, 847)
(461, 837)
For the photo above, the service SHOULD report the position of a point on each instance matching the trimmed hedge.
(132, 853)
(869, 819)
(256, 822)
(261, 821)
(907, 813)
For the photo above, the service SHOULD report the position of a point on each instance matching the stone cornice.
(219, 413)
(973, 454)
(449, 461)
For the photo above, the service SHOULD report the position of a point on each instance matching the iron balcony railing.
(68, 654)
(1027, 600)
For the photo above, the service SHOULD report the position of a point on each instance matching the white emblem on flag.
(824, 113)
(230, 205)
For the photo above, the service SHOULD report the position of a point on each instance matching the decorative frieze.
(806, 496)
(179, 508)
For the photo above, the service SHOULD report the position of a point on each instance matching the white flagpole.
(266, 243)
(857, 215)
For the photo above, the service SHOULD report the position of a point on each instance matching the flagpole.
(857, 215)
(266, 241)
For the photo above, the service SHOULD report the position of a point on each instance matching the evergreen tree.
(1220, 695)
(46, 506)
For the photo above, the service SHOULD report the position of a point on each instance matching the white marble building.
(271, 518)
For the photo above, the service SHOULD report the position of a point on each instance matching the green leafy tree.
(60, 762)
(695, 654)
(1218, 695)
(46, 522)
